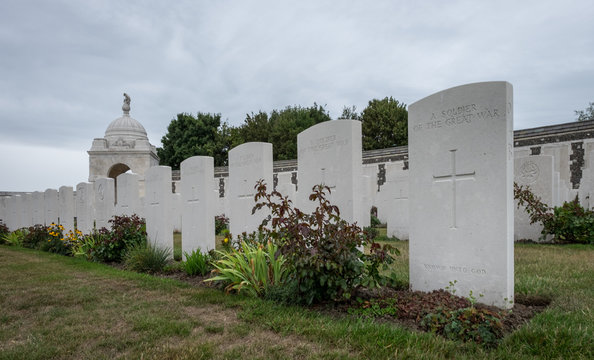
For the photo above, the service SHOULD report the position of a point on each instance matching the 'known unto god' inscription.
(461, 193)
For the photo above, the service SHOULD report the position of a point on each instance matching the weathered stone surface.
(329, 153)
(198, 204)
(461, 191)
(51, 207)
(85, 207)
(128, 191)
(248, 163)
(157, 202)
(66, 205)
(104, 189)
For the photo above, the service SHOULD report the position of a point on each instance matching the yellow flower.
(226, 240)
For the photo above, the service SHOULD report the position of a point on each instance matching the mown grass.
(58, 307)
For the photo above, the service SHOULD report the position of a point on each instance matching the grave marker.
(104, 189)
(128, 201)
(329, 153)
(158, 203)
(248, 163)
(198, 199)
(66, 204)
(51, 207)
(461, 191)
(84, 206)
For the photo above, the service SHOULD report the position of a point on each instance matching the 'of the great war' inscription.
(461, 191)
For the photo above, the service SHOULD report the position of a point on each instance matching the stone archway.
(114, 172)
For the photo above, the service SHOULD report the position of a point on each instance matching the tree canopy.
(190, 135)
(585, 115)
(384, 124)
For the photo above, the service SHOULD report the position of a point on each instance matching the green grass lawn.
(58, 307)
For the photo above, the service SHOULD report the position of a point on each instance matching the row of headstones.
(461, 210)
(329, 153)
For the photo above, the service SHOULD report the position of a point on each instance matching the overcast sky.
(65, 64)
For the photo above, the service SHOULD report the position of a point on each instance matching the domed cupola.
(125, 127)
(124, 147)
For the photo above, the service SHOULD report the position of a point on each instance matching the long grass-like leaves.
(251, 269)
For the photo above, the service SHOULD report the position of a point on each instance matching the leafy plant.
(469, 324)
(375, 222)
(14, 238)
(197, 263)
(251, 269)
(221, 223)
(569, 222)
(321, 247)
(3, 230)
(36, 236)
(147, 258)
(110, 246)
(56, 242)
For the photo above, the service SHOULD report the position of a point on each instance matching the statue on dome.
(126, 106)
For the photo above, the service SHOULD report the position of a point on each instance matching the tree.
(350, 113)
(585, 115)
(384, 124)
(190, 136)
(280, 128)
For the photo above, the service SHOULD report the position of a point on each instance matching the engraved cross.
(453, 177)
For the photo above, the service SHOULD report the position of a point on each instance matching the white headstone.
(13, 222)
(37, 208)
(27, 217)
(461, 191)
(66, 205)
(397, 186)
(3, 210)
(198, 199)
(248, 163)
(158, 206)
(535, 172)
(128, 202)
(104, 189)
(85, 207)
(285, 186)
(51, 207)
(329, 153)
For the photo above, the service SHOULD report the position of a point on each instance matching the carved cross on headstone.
(194, 198)
(325, 182)
(247, 195)
(453, 177)
(155, 200)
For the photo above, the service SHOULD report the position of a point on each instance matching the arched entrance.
(114, 172)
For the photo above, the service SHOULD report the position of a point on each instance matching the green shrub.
(372, 232)
(147, 258)
(36, 237)
(197, 263)
(3, 231)
(569, 222)
(56, 242)
(481, 326)
(15, 238)
(375, 222)
(111, 246)
(221, 223)
(321, 247)
(251, 269)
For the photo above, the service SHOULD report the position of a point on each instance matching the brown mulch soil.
(412, 305)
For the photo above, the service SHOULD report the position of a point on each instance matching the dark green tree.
(350, 113)
(190, 136)
(280, 128)
(585, 115)
(384, 124)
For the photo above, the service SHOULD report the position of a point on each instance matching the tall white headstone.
(537, 173)
(3, 210)
(248, 163)
(128, 202)
(461, 191)
(51, 206)
(158, 199)
(397, 185)
(37, 208)
(85, 207)
(66, 205)
(104, 189)
(329, 153)
(13, 222)
(27, 215)
(198, 209)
